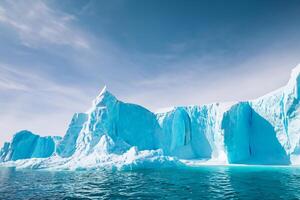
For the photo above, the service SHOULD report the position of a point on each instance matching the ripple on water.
(201, 183)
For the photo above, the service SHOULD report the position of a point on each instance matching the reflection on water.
(201, 183)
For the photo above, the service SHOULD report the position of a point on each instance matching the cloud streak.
(57, 62)
(31, 101)
(38, 25)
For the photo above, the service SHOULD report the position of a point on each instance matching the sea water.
(207, 182)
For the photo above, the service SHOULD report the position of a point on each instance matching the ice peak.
(103, 97)
(293, 85)
(295, 72)
(103, 91)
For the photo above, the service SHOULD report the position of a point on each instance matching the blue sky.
(55, 56)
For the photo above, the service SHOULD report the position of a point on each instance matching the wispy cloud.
(27, 81)
(37, 24)
(9, 80)
(197, 81)
(32, 101)
(63, 65)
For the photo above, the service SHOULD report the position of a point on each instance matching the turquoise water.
(200, 183)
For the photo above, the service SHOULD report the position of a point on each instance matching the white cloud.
(37, 24)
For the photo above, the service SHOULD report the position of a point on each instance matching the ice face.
(280, 110)
(129, 123)
(236, 125)
(113, 133)
(4, 152)
(176, 133)
(251, 139)
(193, 132)
(137, 126)
(67, 146)
(26, 145)
(190, 132)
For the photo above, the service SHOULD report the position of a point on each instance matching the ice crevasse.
(264, 131)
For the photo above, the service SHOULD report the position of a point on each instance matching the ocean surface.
(233, 182)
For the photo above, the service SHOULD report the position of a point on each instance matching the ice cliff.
(28, 145)
(117, 134)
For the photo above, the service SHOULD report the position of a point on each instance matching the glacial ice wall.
(193, 132)
(26, 145)
(261, 131)
(251, 139)
(280, 110)
(133, 124)
(67, 146)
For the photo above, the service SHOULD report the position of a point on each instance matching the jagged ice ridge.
(114, 134)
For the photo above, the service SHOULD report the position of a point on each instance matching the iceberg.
(25, 145)
(115, 134)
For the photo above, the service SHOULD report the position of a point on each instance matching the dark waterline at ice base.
(219, 182)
